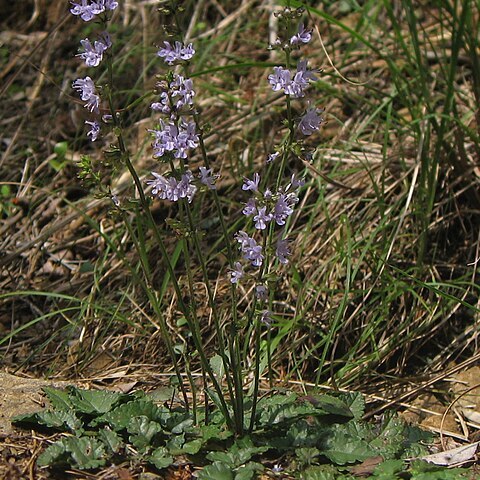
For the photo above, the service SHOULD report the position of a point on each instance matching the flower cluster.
(178, 94)
(250, 249)
(88, 9)
(176, 53)
(92, 54)
(292, 84)
(175, 137)
(270, 206)
(88, 93)
(169, 188)
(265, 207)
(302, 36)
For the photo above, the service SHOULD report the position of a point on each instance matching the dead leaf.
(455, 456)
(366, 468)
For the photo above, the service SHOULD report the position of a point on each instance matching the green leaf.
(120, 417)
(216, 471)
(333, 405)
(59, 420)
(388, 470)
(355, 401)
(160, 458)
(87, 453)
(193, 447)
(83, 453)
(55, 454)
(421, 470)
(110, 439)
(248, 471)
(323, 472)
(58, 398)
(216, 363)
(94, 401)
(216, 432)
(307, 455)
(142, 430)
(343, 448)
(61, 149)
(238, 454)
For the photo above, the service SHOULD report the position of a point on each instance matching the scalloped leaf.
(94, 401)
(161, 458)
(57, 419)
(216, 471)
(120, 417)
(142, 431)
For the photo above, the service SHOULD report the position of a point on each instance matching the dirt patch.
(21, 395)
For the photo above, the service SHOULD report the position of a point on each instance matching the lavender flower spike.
(250, 249)
(87, 10)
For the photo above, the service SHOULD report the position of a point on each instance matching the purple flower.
(250, 207)
(172, 138)
(266, 318)
(296, 183)
(272, 156)
(182, 88)
(282, 79)
(94, 131)
(283, 209)
(261, 292)
(262, 218)
(282, 251)
(252, 184)
(302, 36)
(172, 189)
(88, 93)
(279, 78)
(93, 54)
(311, 121)
(88, 10)
(178, 52)
(237, 273)
(180, 93)
(207, 178)
(251, 251)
